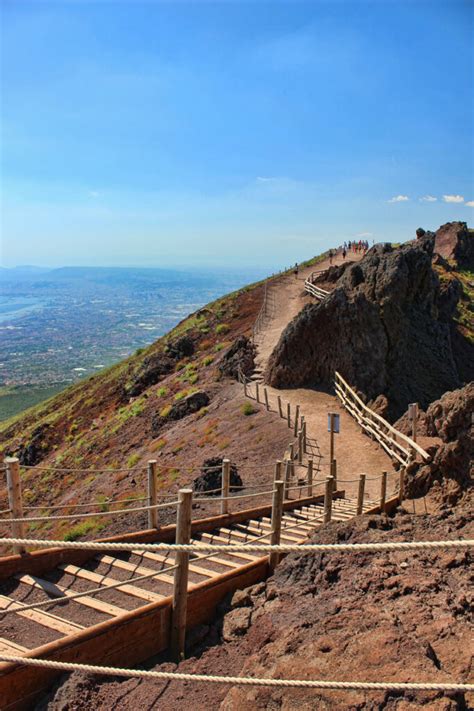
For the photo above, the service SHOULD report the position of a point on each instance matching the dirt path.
(355, 452)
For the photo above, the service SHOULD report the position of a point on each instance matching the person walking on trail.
(344, 253)
(331, 254)
(296, 270)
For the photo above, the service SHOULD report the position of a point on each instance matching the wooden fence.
(316, 291)
(395, 443)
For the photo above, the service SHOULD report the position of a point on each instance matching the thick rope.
(240, 680)
(66, 517)
(237, 547)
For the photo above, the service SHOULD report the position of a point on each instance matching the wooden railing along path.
(397, 445)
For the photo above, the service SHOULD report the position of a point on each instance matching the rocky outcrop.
(450, 420)
(188, 405)
(385, 328)
(156, 366)
(211, 477)
(239, 357)
(454, 241)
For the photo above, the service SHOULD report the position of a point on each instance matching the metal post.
(152, 513)
(225, 486)
(180, 589)
(257, 391)
(334, 472)
(360, 495)
(331, 437)
(14, 500)
(277, 513)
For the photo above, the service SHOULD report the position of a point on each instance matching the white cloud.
(428, 198)
(261, 179)
(94, 193)
(470, 203)
(364, 234)
(399, 198)
(453, 198)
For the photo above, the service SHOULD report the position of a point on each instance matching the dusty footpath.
(358, 617)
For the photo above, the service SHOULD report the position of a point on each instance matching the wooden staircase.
(25, 630)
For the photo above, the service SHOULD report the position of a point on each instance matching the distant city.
(58, 326)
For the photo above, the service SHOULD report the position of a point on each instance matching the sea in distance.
(61, 325)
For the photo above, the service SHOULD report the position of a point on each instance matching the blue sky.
(230, 133)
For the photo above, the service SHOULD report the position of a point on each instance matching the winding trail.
(355, 452)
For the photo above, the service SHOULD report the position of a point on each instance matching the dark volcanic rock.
(456, 242)
(450, 419)
(182, 348)
(383, 328)
(240, 356)
(211, 477)
(37, 448)
(153, 369)
(188, 405)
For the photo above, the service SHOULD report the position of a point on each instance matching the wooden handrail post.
(267, 404)
(305, 441)
(401, 485)
(288, 464)
(383, 491)
(300, 447)
(334, 472)
(245, 387)
(280, 411)
(225, 486)
(291, 448)
(297, 415)
(180, 588)
(152, 513)
(328, 499)
(257, 391)
(277, 513)
(277, 476)
(288, 414)
(14, 499)
(360, 495)
(310, 477)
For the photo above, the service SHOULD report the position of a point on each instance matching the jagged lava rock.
(210, 478)
(450, 420)
(381, 328)
(239, 357)
(455, 241)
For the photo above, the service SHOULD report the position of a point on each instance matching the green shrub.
(81, 529)
(222, 328)
(248, 409)
(133, 460)
(208, 360)
(161, 392)
(165, 411)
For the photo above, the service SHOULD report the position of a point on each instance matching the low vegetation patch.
(248, 409)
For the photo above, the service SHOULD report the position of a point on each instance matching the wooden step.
(46, 619)
(216, 538)
(138, 569)
(9, 647)
(58, 591)
(106, 580)
(163, 559)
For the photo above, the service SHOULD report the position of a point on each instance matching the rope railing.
(304, 548)
(95, 514)
(238, 680)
